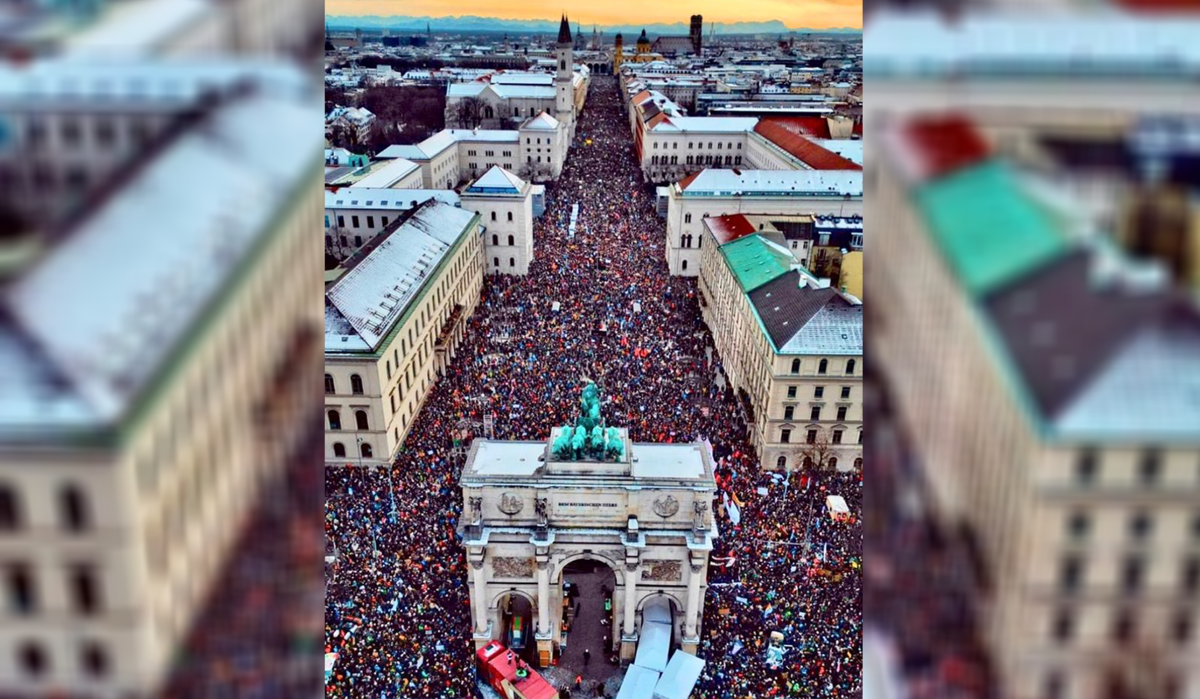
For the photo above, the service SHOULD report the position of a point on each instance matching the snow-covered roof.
(707, 124)
(386, 199)
(471, 89)
(509, 92)
(850, 149)
(445, 138)
(388, 175)
(716, 182)
(497, 180)
(521, 78)
(401, 151)
(139, 28)
(638, 683)
(122, 84)
(111, 304)
(1047, 44)
(374, 293)
(680, 677)
(541, 122)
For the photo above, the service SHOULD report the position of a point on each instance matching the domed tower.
(618, 54)
(643, 44)
(564, 89)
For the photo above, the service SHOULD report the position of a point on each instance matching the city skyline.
(815, 14)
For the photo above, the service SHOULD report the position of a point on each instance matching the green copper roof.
(988, 229)
(755, 262)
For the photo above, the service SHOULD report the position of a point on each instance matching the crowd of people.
(924, 589)
(597, 305)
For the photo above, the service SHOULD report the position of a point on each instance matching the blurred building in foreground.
(132, 29)
(150, 337)
(1051, 383)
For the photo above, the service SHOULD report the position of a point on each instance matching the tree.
(468, 112)
(819, 451)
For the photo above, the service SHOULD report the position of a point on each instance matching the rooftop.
(755, 261)
(391, 172)
(815, 154)
(803, 318)
(376, 292)
(813, 183)
(386, 199)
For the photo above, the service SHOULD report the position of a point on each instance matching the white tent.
(680, 677)
(639, 683)
(653, 646)
(838, 509)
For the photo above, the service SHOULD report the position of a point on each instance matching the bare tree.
(818, 452)
(468, 112)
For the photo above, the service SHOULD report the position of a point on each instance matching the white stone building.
(394, 315)
(713, 192)
(144, 412)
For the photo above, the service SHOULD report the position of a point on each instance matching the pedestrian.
(587, 656)
(578, 682)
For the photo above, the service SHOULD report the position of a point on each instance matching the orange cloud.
(793, 13)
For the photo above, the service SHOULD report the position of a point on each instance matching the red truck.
(511, 676)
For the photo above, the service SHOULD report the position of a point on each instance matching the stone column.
(629, 636)
(543, 583)
(630, 598)
(691, 617)
(481, 615)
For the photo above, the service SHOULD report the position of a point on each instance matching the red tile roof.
(945, 143)
(683, 184)
(815, 126)
(811, 154)
(729, 228)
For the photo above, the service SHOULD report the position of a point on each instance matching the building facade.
(790, 347)
(389, 335)
(125, 484)
(719, 192)
(1018, 373)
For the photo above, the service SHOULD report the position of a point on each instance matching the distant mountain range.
(534, 26)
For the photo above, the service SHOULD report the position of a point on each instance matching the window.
(1133, 572)
(356, 384)
(1079, 524)
(493, 215)
(510, 218)
(795, 366)
(74, 509)
(823, 366)
(370, 222)
(832, 464)
(850, 367)
(781, 462)
(860, 435)
(360, 418)
(1062, 629)
(366, 450)
(1150, 467)
(341, 221)
(339, 449)
(358, 241)
(791, 392)
(845, 393)
(335, 420)
(19, 589)
(1070, 574)
(858, 464)
(33, 659)
(841, 413)
(837, 436)
(738, 159)
(785, 435)
(496, 262)
(687, 218)
(815, 413)
(811, 437)
(105, 133)
(329, 387)
(10, 514)
(94, 659)
(85, 593)
(1086, 467)
(1140, 526)
(354, 221)
(342, 238)
(512, 262)
(1122, 628)
(683, 265)
(818, 392)
(511, 240)
(385, 221)
(789, 412)
(495, 239)
(1189, 579)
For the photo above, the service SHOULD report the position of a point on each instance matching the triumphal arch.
(532, 508)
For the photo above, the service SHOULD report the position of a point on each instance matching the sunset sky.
(793, 13)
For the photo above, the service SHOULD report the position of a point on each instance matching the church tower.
(564, 90)
(618, 54)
